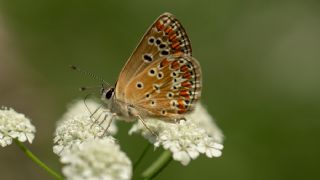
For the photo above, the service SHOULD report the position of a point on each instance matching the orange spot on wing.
(175, 65)
(176, 45)
(181, 104)
(159, 25)
(186, 84)
(182, 111)
(172, 37)
(168, 30)
(177, 53)
(184, 68)
(187, 75)
(164, 62)
(185, 94)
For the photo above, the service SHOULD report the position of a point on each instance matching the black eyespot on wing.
(164, 52)
(162, 46)
(151, 40)
(139, 85)
(147, 57)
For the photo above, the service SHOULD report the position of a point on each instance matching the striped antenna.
(89, 74)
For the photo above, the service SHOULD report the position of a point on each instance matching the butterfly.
(161, 79)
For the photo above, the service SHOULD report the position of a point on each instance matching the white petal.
(182, 157)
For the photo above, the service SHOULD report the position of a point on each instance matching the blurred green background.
(260, 63)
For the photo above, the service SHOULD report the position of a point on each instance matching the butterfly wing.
(167, 88)
(165, 37)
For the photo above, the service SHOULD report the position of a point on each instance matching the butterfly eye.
(109, 93)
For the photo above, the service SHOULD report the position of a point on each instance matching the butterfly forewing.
(161, 78)
(166, 36)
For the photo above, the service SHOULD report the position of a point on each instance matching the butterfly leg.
(113, 115)
(87, 107)
(96, 119)
(145, 125)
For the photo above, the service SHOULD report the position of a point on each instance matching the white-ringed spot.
(163, 112)
(147, 57)
(164, 53)
(160, 75)
(152, 72)
(152, 103)
(174, 74)
(170, 95)
(173, 103)
(148, 95)
(139, 85)
(158, 41)
(151, 40)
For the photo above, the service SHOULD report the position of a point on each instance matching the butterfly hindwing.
(167, 88)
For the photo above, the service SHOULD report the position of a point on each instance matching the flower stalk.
(144, 152)
(156, 167)
(35, 159)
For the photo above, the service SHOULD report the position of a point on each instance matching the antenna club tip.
(73, 67)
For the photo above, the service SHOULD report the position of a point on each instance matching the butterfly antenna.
(89, 74)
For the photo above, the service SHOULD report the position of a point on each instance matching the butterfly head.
(107, 93)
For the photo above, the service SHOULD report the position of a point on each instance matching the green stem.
(157, 166)
(35, 159)
(144, 152)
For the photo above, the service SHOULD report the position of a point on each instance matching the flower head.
(185, 139)
(15, 125)
(77, 125)
(96, 159)
(204, 120)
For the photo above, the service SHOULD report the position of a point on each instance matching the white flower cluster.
(186, 139)
(15, 125)
(204, 120)
(96, 159)
(77, 125)
(85, 149)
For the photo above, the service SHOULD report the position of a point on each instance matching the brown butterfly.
(161, 79)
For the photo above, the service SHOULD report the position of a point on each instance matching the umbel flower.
(78, 124)
(186, 139)
(15, 125)
(96, 159)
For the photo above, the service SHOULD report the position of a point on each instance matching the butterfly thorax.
(125, 111)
